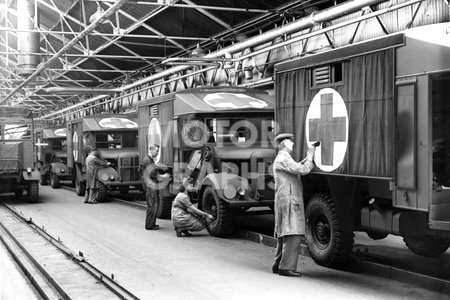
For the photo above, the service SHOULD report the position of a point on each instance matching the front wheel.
(33, 191)
(428, 246)
(102, 193)
(329, 239)
(219, 209)
(165, 207)
(54, 180)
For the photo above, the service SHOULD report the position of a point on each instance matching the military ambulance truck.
(115, 136)
(51, 145)
(18, 170)
(381, 112)
(219, 137)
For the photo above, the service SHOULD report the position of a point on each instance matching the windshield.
(116, 140)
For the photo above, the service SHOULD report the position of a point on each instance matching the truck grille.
(129, 169)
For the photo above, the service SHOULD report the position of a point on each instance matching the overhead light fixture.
(95, 16)
(197, 52)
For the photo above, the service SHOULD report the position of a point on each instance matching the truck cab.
(18, 169)
(115, 136)
(221, 139)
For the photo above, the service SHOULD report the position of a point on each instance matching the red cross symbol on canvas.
(327, 129)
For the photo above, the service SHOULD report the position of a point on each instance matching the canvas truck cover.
(354, 118)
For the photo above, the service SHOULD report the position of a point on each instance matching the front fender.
(60, 169)
(108, 174)
(220, 180)
(34, 175)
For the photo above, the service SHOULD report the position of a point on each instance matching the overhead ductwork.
(27, 40)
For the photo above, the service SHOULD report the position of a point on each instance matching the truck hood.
(234, 153)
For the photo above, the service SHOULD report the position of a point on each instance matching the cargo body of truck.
(115, 136)
(51, 144)
(18, 170)
(380, 110)
(219, 137)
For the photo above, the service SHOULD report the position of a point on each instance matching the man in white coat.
(289, 208)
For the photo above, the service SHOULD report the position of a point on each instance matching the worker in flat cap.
(289, 209)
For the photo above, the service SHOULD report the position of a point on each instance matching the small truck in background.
(51, 145)
(115, 136)
(219, 137)
(18, 170)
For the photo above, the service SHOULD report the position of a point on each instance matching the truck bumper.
(250, 203)
(118, 183)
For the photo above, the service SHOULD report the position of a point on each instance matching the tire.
(102, 193)
(329, 239)
(124, 189)
(219, 209)
(376, 235)
(80, 187)
(165, 208)
(43, 180)
(54, 180)
(428, 246)
(33, 191)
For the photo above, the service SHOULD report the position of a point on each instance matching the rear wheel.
(80, 187)
(54, 180)
(102, 193)
(219, 209)
(33, 191)
(428, 246)
(329, 239)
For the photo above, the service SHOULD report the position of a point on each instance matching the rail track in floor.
(54, 270)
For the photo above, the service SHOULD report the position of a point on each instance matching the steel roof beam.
(84, 33)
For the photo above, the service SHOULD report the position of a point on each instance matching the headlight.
(28, 170)
(104, 177)
(111, 177)
(241, 191)
(229, 191)
(62, 171)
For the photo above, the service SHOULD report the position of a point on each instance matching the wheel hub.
(322, 231)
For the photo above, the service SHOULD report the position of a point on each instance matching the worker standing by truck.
(289, 208)
(151, 181)
(93, 162)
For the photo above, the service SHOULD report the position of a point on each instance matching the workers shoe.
(186, 233)
(154, 227)
(178, 232)
(275, 269)
(289, 273)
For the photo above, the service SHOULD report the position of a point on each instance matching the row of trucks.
(62, 153)
(382, 167)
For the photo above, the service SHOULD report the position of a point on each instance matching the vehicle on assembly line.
(221, 137)
(51, 145)
(18, 170)
(380, 110)
(115, 136)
